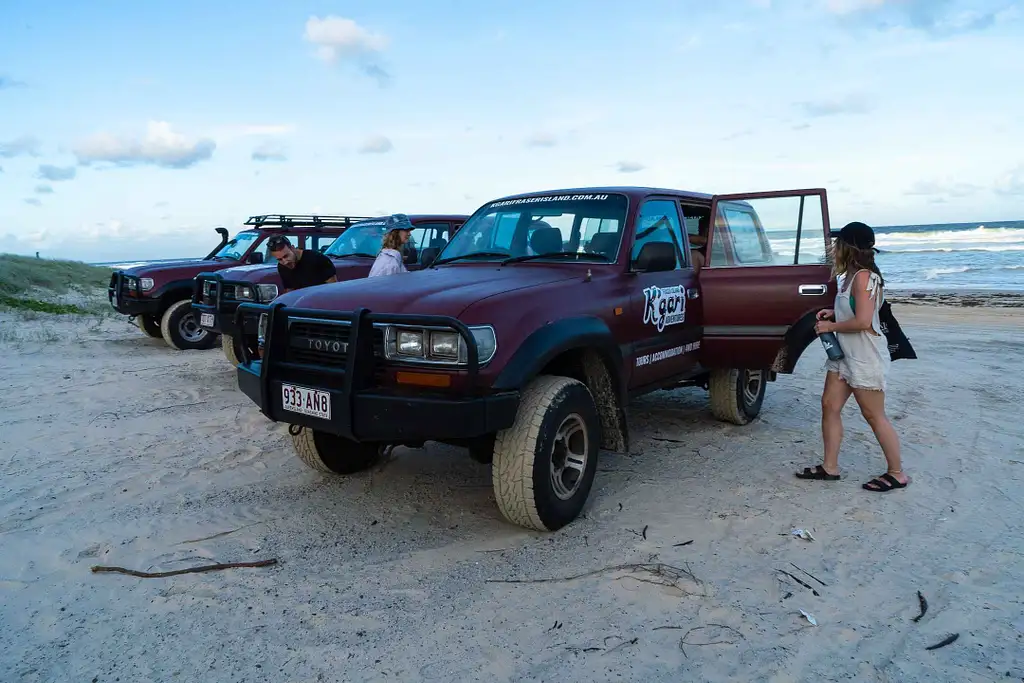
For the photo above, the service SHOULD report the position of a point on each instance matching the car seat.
(546, 240)
(604, 243)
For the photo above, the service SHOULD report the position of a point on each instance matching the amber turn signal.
(423, 379)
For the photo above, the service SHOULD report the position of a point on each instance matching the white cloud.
(26, 145)
(270, 150)
(852, 103)
(56, 173)
(1012, 183)
(43, 189)
(376, 144)
(338, 39)
(851, 6)
(33, 201)
(541, 139)
(161, 147)
(946, 188)
(629, 166)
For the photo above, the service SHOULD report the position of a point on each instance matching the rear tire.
(544, 464)
(737, 395)
(150, 325)
(180, 328)
(332, 454)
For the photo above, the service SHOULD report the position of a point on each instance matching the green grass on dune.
(21, 273)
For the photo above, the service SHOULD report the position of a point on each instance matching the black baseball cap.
(278, 242)
(857, 234)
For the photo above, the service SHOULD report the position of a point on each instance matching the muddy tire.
(180, 328)
(544, 464)
(737, 395)
(230, 348)
(150, 326)
(332, 454)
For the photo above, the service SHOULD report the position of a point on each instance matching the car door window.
(769, 231)
(658, 221)
(426, 235)
(321, 242)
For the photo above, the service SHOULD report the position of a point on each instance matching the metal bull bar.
(360, 358)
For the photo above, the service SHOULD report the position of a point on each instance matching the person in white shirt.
(389, 260)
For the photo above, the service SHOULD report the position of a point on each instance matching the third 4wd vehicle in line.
(159, 295)
(216, 295)
(529, 333)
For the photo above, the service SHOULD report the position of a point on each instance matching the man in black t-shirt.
(300, 268)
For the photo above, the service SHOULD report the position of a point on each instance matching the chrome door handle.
(692, 293)
(812, 290)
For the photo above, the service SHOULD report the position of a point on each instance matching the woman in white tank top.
(864, 370)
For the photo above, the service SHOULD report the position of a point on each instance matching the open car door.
(767, 275)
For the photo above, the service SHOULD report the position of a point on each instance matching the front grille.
(227, 292)
(331, 341)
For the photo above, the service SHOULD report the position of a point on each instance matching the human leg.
(872, 407)
(833, 397)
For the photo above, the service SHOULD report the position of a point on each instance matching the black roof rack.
(282, 220)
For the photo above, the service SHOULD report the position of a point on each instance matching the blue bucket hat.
(398, 221)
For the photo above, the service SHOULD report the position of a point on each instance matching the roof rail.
(283, 220)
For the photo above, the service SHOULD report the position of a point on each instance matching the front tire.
(332, 454)
(230, 348)
(544, 464)
(150, 326)
(737, 395)
(180, 328)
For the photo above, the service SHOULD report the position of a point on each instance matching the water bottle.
(831, 343)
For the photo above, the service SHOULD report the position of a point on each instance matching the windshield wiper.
(355, 253)
(474, 254)
(555, 254)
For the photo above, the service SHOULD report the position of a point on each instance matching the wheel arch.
(582, 348)
(797, 339)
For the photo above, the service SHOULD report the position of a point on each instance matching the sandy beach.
(115, 450)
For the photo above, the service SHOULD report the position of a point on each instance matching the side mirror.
(429, 255)
(324, 248)
(256, 257)
(656, 257)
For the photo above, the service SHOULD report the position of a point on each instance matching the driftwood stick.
(191, 570)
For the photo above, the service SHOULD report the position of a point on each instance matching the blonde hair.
(392, 240)
(848, 259)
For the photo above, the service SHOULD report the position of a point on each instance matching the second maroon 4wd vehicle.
(158, 296)
(526, 337)
(217, 294)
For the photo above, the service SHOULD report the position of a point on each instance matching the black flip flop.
(884, 483)
(817, 473)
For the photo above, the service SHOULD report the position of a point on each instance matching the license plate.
(206, 319)
(306, 401)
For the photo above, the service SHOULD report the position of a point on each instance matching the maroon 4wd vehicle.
(218, 294)
(526, 337)
(159, 295)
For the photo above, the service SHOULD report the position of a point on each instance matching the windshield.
(237, 246)
(585, 227)
(361, 238)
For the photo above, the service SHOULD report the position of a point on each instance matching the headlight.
(444, 344)
(261, 331)
(244, 292)
(410, 343)
(146, 283)
(266, 293)
(438, 346)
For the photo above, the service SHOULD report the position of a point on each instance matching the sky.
(131, 130)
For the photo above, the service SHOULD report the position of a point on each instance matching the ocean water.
(945, 257)
(956, 256)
